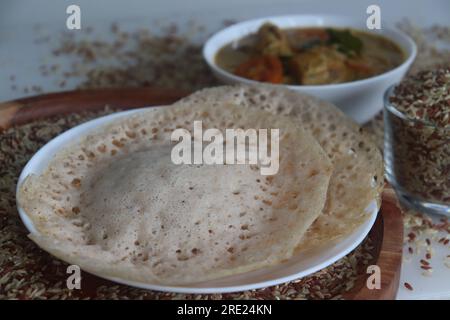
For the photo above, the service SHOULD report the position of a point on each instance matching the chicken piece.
(360, 68)
(307, 38)
(271, 40)
(320, 65)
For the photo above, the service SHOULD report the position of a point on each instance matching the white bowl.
(298, 266)
(361, 99)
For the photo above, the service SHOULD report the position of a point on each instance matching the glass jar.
(417, 160)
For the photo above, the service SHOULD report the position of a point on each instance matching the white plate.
(297, 267)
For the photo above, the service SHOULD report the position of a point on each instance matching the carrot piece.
(359, 67)
(262, 68)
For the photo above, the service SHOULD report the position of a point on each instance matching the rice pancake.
(116, 205)
(357, 177)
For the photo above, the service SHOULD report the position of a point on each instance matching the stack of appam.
(115, 204)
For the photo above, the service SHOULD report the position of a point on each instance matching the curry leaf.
(346, 42)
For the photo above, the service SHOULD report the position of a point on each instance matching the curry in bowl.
(309, 56)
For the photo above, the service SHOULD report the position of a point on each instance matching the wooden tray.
(387, 232)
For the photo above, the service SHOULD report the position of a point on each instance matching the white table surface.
(21, 21)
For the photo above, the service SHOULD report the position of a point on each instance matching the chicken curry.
(309, 56)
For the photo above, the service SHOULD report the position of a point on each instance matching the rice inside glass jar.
(417, 140)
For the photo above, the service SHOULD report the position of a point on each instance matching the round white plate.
(298, 266)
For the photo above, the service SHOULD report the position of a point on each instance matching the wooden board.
(387, 232)
(24, 110)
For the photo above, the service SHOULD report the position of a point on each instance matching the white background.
(20, 56)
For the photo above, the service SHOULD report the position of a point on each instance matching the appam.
(114, 203)
(357, 177)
